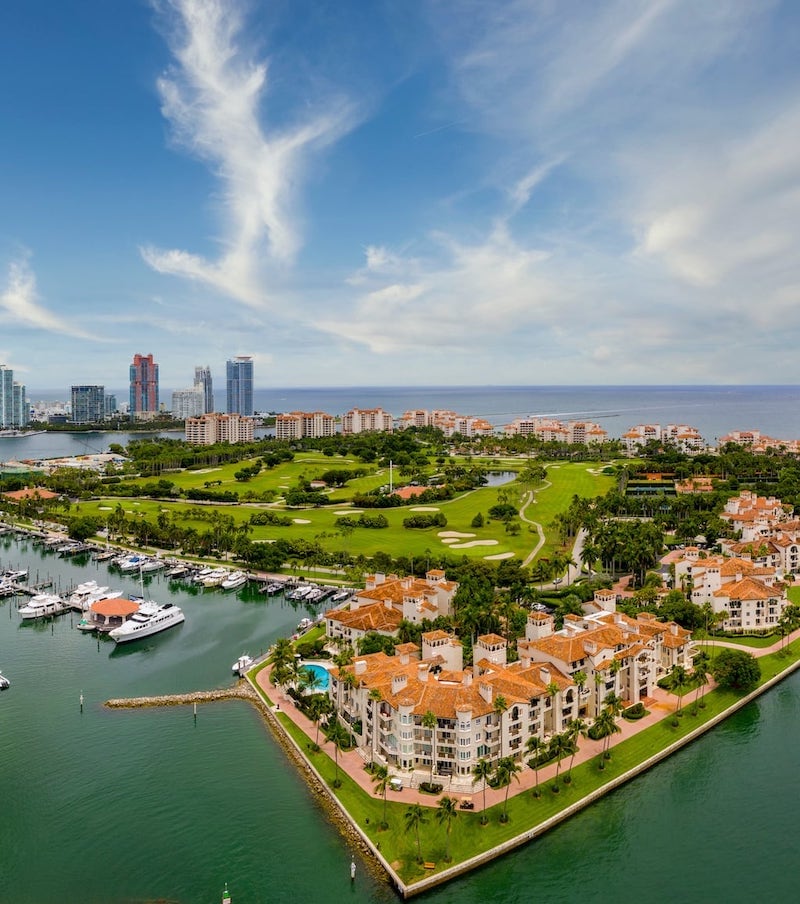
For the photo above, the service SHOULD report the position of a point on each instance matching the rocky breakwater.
(242, 691)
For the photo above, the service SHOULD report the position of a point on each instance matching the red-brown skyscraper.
(144, 386)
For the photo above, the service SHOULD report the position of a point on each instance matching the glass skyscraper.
(144, 386)
(239, 373)
(202, 381)
(88, 404)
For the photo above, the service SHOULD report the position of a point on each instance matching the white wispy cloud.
(20, 303)
(214, 97)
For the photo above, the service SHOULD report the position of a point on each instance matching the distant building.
(239, 384)
(219, 428)
(550, 430)
(685, 438)
(88, 404)
(187, 403)
(447, 421)
(14, 410)
(202, 381)
(300, 424)
(362, 420)
(144, 387)
(111, 405)
(20, 409)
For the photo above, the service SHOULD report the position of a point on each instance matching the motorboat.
(273, 588)
(43, 605)
(86, 625)
(5, 684)
(304, 624)
(340, 595)
(202, 574)
(178, 571)
(216, 577)
(89, 592)
(242, 664)
(152, 618)
(132, 563)
(234, 580)
(18, 575)
(151, 565)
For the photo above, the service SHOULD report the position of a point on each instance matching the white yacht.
(132, 563)
(151, 618)
(89, 592)
(5, 684)
(43, 605)
(151, 565)
(242, 664)
(216, 577)
(234, 580)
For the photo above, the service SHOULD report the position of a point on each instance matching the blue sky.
(383, 193)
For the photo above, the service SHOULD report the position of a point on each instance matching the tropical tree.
(338, 735)
(558, 747)
(604, 726)
(535, 745)
(282, 661)
(577, 728)
(482, 771)
(380, 778)
(677, 679)
(429, 722)
(700, 674)
(317, 708)
(447, 812)
(415, 817)
(505, 771)
(500, 706)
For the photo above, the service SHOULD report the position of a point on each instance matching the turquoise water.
(322, 676)
(120, 807)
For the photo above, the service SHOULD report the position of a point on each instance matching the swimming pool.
(321, 674)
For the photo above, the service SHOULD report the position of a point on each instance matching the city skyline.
(428, 194)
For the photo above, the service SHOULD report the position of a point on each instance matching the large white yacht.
(151, 618)
(89, 592)
(234, 580)
(43, 605)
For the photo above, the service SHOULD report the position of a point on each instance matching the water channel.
(132, 806)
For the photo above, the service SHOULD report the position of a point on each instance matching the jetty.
(242, 690)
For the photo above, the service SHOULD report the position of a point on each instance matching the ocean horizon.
(714, 409)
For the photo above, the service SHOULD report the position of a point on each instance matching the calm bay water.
(122, 807)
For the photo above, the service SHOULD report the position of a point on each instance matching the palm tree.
(309, 680)
(380, 778)
(429, 722)
(318, 707)
(605, 726)
(535, 745)
(506, 770)
(577, 728)
(700, 675)
(481, 771)
(415, 817)
(500, 706)
(446, 813)
(338, 735)
(579, 678)
(677, 679)
(282, 661)
(558, 747)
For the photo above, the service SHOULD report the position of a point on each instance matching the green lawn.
(319, 524)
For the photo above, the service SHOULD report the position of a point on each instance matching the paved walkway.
(660, 706)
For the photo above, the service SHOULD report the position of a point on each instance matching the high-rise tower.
(144, 386)
(202, 381)
(239, 373)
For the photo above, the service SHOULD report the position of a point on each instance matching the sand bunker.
(474, 543)
(499, 555)
(207, 470)
(104, 508)
(301, 521)
(450, 540)
(423, 508)
(454, 533)
(349, 512)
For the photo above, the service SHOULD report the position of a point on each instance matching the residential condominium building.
(449, 422)
(300, 424)
(143, 387)
(14, 409)
(560, 675)
(219, 428)
(239, 385)
(551, 430)
(88, 404)
(203, 382)
(361, 420)
(683, 437)
(187, 403)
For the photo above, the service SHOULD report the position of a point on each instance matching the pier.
(242, 690)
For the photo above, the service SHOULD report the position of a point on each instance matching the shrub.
(632, 713)
(431, 787)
